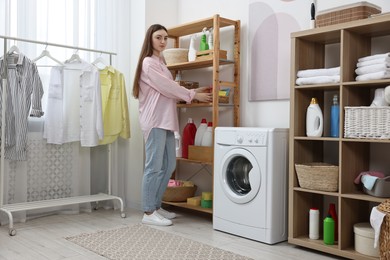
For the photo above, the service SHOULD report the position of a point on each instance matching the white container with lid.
(364, 239)
(314, 223)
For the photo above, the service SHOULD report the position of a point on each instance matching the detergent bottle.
(207, 139)
(191, 49)
(314, 119)
(200, 131)
(188, 137)
(203, 41)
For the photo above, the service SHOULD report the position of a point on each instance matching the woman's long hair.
(147, 51)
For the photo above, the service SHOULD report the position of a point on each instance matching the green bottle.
(329, 230)
(203, 43)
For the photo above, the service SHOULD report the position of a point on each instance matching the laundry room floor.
(34, 237)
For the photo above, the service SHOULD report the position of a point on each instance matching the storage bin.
(175, 55)
(346, 13)
(364, 239)
(179, 193)
(381, 188)
(318, 176)
(200, 153)
(367, 122)
(384, 237)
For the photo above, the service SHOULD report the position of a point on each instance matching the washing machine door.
(241, 176)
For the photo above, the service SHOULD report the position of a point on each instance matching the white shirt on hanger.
(74, 106)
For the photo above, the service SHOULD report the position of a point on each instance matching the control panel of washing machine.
(251, 138)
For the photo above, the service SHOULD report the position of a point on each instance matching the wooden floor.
(43, 238)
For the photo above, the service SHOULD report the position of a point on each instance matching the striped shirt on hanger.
(24, 95)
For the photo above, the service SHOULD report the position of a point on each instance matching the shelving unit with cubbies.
(317, 48)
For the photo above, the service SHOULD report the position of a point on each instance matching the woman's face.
(159, 41)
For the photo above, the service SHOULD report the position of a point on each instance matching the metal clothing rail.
(24, 206)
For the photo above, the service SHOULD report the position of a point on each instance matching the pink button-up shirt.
(158, 97)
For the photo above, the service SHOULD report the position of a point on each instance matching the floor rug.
(144, 242)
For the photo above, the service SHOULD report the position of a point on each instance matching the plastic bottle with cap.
(200, 131)
(178, 144)
(328, 230)
(335, 117)
(188, 137)
(207, 139)
(314, 119)
(314, 223)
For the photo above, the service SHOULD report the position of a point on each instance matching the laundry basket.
(384, 238)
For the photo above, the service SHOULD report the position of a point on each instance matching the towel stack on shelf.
(373, 67)
(318, 76)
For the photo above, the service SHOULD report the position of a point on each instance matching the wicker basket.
(346, 13)
(384, 237)
(318, 176)
(179, 193)
(367, 122)
(175, 55)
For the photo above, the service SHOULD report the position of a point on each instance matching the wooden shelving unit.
(214, 62)
(312, 49)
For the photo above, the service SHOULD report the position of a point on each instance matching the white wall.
(173, 12)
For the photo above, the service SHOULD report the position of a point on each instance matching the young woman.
(158, 93)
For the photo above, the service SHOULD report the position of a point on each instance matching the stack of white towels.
(318, 76)
(373, 67)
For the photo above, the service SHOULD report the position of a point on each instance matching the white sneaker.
(156, 219)
(166, 214)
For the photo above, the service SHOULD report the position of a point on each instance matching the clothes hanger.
(46, 53)
(13, 49)
(74, 58)
(100, 60)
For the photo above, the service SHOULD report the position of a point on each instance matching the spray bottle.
(211, 39)
(203, 41)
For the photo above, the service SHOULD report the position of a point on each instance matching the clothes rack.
(25, 206)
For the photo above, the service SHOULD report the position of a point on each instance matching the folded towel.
(372, 173)
(318, 72)
(376, 219)
(372, 62)
(387, 94)
(375, 75)
(375, 56)
(372, 68)
(369, 181)
(318, 80)
(379, 98)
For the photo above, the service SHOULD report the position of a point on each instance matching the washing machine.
(250, 182)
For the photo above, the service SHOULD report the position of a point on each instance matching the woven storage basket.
(384, 237)
(175, 55)
(179, 193)
(346, 13)
(367, 122)
(318, 176)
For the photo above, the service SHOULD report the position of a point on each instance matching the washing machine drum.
(237, 175)
(240, 176)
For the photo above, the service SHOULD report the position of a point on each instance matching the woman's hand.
(203, 94)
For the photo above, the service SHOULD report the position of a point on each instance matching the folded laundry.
(375, 75)
(368, 181)
(371, 173)
(318, 72)
(372, 68)
(376, 219)
(374, 61)
(318, 80)
(375, 56)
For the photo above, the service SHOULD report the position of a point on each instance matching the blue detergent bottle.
(335, 117)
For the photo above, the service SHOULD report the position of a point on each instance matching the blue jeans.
(160, 162)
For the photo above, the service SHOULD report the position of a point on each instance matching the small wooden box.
(208, 55)
(200, 153)
(188, 84)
